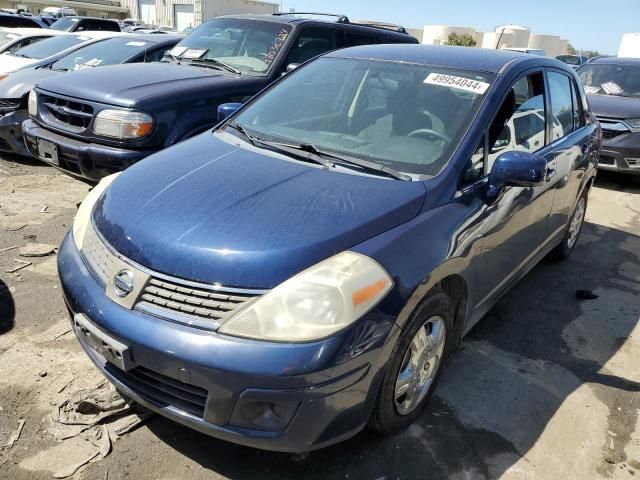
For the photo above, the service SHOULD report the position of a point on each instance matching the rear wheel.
(415, 365)
(572, 233)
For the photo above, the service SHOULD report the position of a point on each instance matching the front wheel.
(415, 365)
(572, 233)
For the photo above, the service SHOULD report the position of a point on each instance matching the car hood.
(19, 83)
(11, 63)
(123, 85)
(209, 211)
(610, 106)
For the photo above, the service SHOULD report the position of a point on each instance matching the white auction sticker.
(177, 51)
(591, 89)
(136, 44)
(461, 83)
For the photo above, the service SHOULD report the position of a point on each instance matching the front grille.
(206, 304)
(196, 304)
(606, 160)
(633, 162)
(162, 390)
(73, 114)
(609, 134)
(10, 104)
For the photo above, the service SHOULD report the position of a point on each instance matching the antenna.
(500, 37)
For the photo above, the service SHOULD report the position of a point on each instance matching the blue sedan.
(305, 269)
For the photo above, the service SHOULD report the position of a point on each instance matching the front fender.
(419, 254)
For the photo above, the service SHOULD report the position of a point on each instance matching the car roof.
(150, 37)
(462, 58)
(80, 17)
(27, 31)
(616, 60)
(295, 18)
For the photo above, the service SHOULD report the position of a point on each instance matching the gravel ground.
(545, 387)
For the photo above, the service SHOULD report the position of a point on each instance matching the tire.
(572, 232)
(392, 412)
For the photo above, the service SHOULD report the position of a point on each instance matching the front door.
(515, 223)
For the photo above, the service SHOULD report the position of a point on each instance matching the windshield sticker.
(612, 88)
(194, 53)
(461, 83)
(276, 46)
(177, 51)
(591, 89)
(136, 44)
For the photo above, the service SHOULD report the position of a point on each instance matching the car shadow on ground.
(7, 308)
(528, 369)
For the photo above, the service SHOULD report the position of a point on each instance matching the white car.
(58, 12)
(12, 39)
(45, 51)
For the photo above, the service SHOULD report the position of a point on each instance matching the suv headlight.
(32, 103)
(123, 124)
(315, 303)
(83, 216)
(634, 123)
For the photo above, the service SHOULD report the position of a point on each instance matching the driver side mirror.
(227, 109)
(516, 169)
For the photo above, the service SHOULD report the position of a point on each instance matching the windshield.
(247, 45)
(107, 52)
(611, 79)
(49, 46)
(407, 117)
(6, 37)
(570, 59)
(66, 24)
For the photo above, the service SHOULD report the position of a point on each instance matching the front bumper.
(90, 161)
(11, 140)
(621, 154)
(321, 392)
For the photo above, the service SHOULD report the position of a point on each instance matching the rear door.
(571, 143)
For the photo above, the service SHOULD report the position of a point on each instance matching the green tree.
(571, 50)
(462, 40)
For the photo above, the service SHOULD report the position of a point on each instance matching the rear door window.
(354, 39)
(312, 42)
(562, 105)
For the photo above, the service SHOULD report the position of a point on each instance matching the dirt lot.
(545, 387)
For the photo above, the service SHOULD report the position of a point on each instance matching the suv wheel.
(414, 367)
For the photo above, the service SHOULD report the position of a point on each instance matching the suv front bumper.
(90, 161)
(621, 154)
(320, 392)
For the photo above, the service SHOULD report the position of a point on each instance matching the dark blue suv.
(90, 124)
(304, 269)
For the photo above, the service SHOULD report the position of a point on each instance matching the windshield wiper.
(216, 63)
(173, 58)
(291, 149)
(366, 165)
(320, 156)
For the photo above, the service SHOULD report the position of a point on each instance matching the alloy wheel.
(420, 365)
(576, 222)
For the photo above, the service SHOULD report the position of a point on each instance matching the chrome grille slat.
(97, 256)
(73, 114)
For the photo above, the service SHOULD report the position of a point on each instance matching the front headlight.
(123, 124)
(32, 103)
(83, 215)
(315, 303)
(634, 123)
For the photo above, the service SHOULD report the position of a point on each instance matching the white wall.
(551, 44)
(630, 45)
(490, 40)
(520, 35)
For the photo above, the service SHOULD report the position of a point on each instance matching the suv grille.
(76, 115)
(162, 390)
(609, 134)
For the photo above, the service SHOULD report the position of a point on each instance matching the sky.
(587, 24)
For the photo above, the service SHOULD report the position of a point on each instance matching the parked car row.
(303, 268)
(58, 21)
